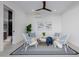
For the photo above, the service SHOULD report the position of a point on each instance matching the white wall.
(1, 26)
(70, 24)
(54, 19)
(5, 21)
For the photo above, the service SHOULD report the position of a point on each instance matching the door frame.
(13, 21)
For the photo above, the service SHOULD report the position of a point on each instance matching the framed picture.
(40, 25)
(44, 25)
(48, 26)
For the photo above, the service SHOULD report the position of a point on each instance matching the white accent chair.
(62, 41)
(29, 41)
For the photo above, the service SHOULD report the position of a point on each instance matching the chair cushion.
(49, 40)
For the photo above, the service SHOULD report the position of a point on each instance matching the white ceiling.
(30, 6)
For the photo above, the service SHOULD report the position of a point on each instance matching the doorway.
(8, 26)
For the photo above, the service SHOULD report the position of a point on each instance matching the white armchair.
(29, 41)
(62, 41)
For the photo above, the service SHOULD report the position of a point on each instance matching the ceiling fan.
(44, 7)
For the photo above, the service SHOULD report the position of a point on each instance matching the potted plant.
(29, 29)
(43, 34)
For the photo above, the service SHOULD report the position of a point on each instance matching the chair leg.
(54, 44)
(25, 44)
(36, 45)
(65, 48)
(26, 48)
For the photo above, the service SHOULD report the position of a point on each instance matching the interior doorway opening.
(8, 26)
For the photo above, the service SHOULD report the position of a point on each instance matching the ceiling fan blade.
(39, 9)
(48, 9)
(44, 4)
(44, 7)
